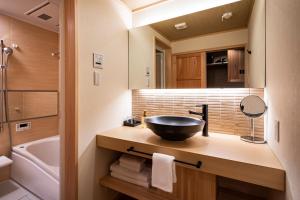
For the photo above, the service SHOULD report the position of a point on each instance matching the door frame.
(69, 157)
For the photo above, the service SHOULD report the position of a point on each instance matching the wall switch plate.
(23, 126)
(96, 78)
(98, 60)
(276, 130)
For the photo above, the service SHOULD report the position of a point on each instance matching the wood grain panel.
(188, 67)
(223, 110)
(191, 185)
(4, 29)
(31, 67)
(40, 128)
(194, 185)
(236, 63)
(189, 83)
(4, 173)
(170, 78)
(220, 154)
(69, 157)
(203, 70)
(4, 150)
(25, 105)
(4, 141)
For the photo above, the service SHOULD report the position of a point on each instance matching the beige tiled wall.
(223, 107)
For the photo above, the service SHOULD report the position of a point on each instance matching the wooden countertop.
(223, 155)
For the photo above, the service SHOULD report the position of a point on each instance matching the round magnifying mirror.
(253, 106)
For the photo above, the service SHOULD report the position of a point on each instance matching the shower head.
(8, 51)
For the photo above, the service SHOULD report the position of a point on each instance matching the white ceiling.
(138, 4)
(17, 8)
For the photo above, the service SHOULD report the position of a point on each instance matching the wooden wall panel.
(40, 128)
(191, 185)
(26, 105)
(4, 29)
(223, 110)
(69, 157)
(4, 150)
(194, 185)
(31, 67)
(4, 141)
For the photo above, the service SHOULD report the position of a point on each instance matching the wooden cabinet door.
(236, 63)
(188, 70)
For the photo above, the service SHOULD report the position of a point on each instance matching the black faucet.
(204, 115)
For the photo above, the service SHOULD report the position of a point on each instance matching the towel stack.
(131, 169)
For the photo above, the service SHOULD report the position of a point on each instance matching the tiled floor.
(10, 190)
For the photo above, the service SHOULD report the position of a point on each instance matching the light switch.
(96, 78)
(98, 60)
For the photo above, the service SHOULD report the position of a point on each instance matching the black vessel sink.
(173, 127)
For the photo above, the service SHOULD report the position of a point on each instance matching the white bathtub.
(36, 167)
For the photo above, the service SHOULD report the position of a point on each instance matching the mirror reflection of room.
(222, 47)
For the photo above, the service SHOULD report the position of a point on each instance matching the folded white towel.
(130, 180)
(163, 172)
(133, 163)
(143, 175)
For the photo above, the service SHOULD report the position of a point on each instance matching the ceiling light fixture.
(226, 16)
(181, 26)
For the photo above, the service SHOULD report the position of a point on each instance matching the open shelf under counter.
(220, 154)
(191, 185)
(132, 190)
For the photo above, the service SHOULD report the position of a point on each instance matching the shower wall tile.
(40, 128)
(224, 113)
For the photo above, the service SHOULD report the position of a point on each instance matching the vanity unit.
(201, 160)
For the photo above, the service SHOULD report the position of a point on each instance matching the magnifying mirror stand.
(251, 138)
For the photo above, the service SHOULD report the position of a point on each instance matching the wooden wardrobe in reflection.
(208, 70)
(190, 70)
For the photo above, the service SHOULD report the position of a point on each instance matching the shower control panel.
(23, 126)
(98, 60)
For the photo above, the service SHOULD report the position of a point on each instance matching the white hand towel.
(133, 163)
(143, 175)
(130, 180)
(163, 172)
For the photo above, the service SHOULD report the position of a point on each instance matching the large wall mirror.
(223, 47)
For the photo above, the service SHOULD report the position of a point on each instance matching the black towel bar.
(198, 165)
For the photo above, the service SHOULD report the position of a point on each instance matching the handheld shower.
(5, 52)
(8, 51)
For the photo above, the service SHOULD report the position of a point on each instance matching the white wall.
(217, 40)
(283, 87)
(102, 28)
(142, 56)
(257, 45)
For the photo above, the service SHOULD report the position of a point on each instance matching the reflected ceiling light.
(226, 16)
(174, 8)
(181, 26)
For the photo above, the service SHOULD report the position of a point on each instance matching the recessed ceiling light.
(226, 16)
(181, 26)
